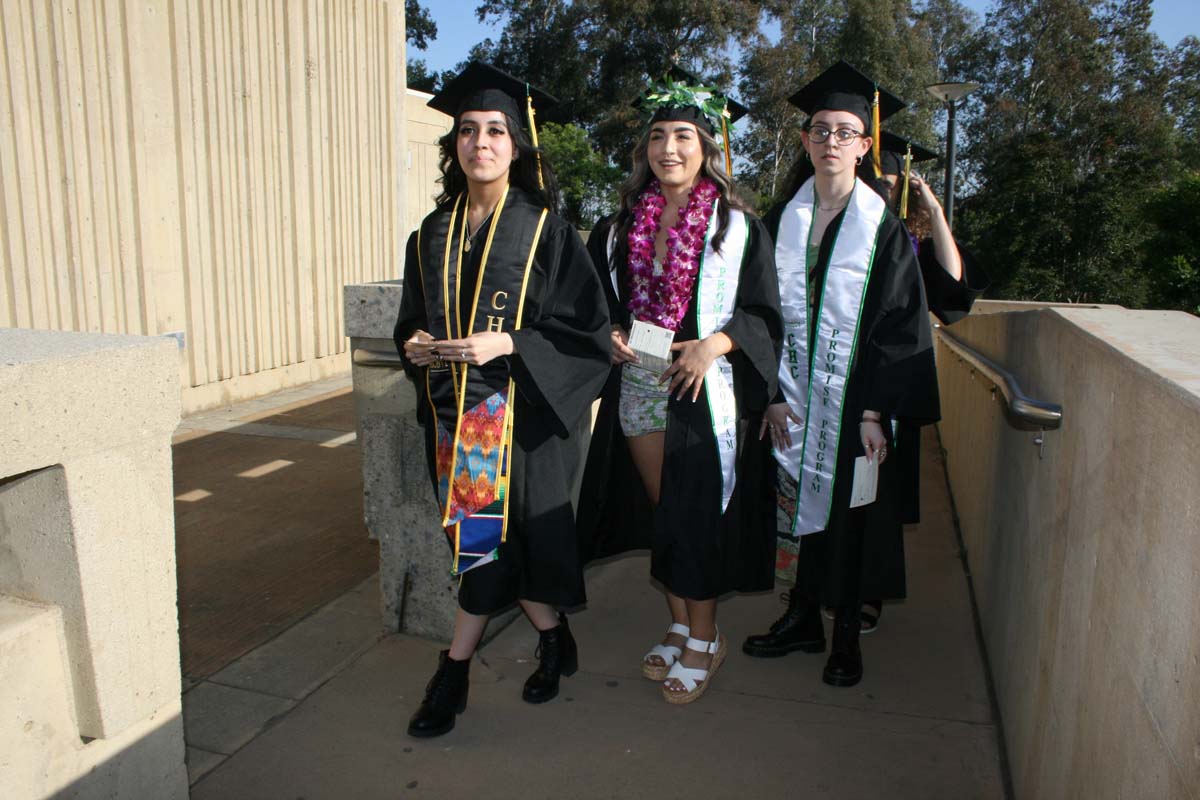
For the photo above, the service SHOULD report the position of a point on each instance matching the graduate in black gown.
(858, 351)
(953, 279)
(675, 463)
(504, 331)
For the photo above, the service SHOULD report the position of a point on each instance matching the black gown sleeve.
(951, 300)
(898, 360)
(597, 248)
(412, 316)
(560, 358)
(757, 323)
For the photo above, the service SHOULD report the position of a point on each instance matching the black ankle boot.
(844, 667)
(800, 628)
(445, 698)
(558, 656)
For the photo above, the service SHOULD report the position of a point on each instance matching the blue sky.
(458, 29)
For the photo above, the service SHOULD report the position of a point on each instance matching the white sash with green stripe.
(716, 293)
(815, 383)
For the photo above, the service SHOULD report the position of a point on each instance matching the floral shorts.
(643, 407)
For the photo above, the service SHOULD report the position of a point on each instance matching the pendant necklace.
(471, 236)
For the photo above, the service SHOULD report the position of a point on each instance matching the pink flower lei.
(662, 296)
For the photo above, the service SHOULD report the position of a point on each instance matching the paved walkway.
(320, 711)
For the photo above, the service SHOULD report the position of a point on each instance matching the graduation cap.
(841, 87)
(899, 154)
(682, 96)
(482, 87)
(896, 147)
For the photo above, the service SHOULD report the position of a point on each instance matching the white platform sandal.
(669, 653)
(694, 680)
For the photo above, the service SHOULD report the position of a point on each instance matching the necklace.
(662, 295)
(471, 236)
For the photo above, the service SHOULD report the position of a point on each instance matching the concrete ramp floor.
(321, 711)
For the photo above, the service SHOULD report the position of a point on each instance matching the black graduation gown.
(696, 551)
(560, 360)
(893, 373)
(899, 499)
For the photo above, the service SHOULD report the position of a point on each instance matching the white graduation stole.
(716, 292)
(815, 383)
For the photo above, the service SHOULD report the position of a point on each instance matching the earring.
(858, 160)
(806, 156)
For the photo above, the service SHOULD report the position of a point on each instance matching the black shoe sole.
(431, 732)
(841, 681)
(778, 652)
(537, 701)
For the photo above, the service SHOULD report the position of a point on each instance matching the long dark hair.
(713, 167)
(523, 173)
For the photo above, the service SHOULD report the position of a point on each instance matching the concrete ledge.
(371, 309)
(1085, 561)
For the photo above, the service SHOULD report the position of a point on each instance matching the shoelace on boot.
(790, 617)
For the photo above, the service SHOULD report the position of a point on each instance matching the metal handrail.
(1023, 411)
(376, 358)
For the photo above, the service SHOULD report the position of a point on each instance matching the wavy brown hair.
(713, 167)
(523, 173)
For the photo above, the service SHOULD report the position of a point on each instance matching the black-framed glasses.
(842, 136)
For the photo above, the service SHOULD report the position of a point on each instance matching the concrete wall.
(425, 127)
(1086, 562)
(89, 645)
(217, 170)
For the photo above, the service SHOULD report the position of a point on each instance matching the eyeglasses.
(842, 136)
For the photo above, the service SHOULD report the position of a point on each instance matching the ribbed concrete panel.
(216, 168)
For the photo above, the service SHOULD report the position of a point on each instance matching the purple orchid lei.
(662, 297)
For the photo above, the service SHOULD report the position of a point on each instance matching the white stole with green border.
(815, 383)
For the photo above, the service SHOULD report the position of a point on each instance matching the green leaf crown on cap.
(669, 93)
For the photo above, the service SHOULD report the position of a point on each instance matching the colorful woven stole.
(815, 382)
(473, 416)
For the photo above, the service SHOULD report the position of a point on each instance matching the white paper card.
(652, 345)
(866, 481)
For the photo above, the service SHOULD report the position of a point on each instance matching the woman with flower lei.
(665, 469)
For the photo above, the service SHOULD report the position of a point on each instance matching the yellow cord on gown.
(725, 138)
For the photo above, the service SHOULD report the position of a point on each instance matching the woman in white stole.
(665, 467)
(857, 351)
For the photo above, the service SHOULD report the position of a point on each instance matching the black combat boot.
(800, 628)
(558, 656)
(445, 698)
(844, 667)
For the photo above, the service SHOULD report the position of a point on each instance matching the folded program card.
(866, 481)
(652, 345)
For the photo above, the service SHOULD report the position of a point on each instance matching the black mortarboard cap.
(843, 88)
(894, 148)
(689, 112)
(482, 87)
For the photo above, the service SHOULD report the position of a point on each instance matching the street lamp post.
(950, 94)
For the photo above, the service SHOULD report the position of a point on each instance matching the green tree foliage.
(1173, 250)
(585, 178)
(419, 31)
(1069, 137)
(419, 27)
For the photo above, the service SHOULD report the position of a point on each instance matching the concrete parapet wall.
(419, 596)
(1086, 561)
(90, 650)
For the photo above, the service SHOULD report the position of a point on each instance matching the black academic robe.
(899, 498)
(893, 373)
(560, 360)
(696, 552)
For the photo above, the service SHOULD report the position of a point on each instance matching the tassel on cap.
(907, 175)
(725, 139)
(876, 158)
(537, 152)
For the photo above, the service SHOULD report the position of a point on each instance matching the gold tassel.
(533, 136)
(876, 159)
(725, 138)
(907, 173)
